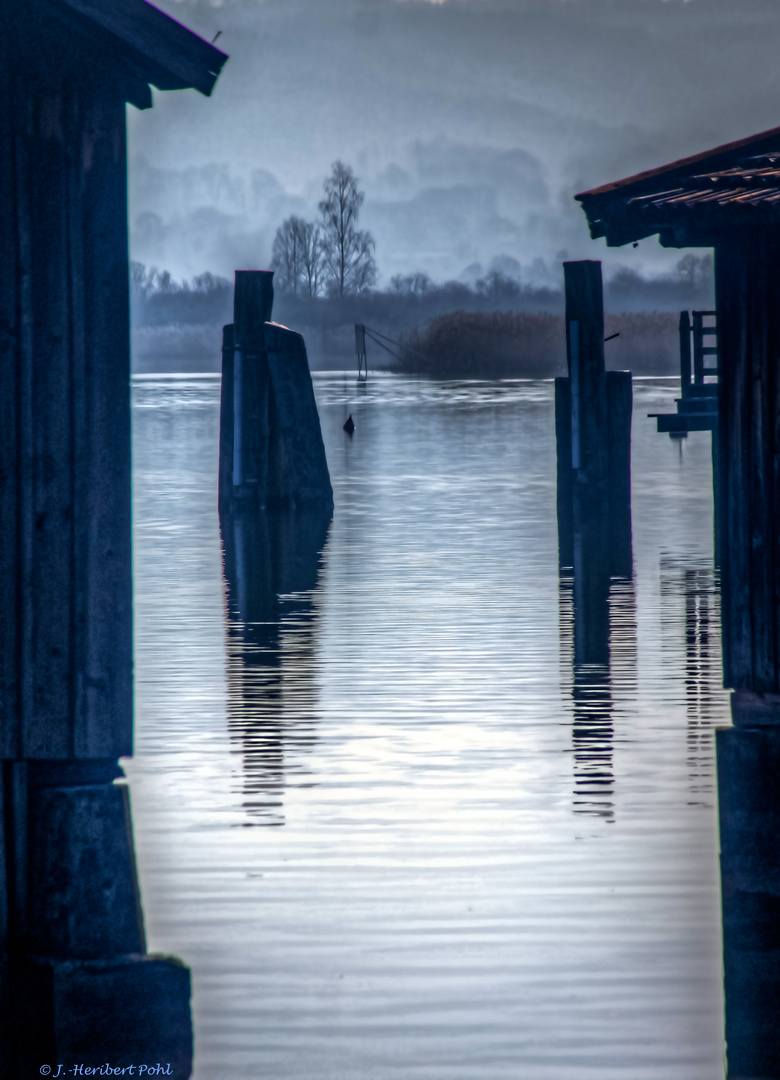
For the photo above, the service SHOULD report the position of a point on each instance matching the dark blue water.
(390, 829)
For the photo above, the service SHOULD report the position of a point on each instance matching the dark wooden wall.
(748, 302)
(65, 563)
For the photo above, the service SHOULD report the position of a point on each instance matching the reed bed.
(465, 344)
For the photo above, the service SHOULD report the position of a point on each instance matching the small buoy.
(349, 426)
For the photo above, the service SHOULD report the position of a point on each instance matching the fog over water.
(470, 123)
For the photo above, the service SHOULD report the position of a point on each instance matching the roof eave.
(164, 53)
(763, 140)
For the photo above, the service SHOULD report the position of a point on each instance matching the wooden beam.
(174, 57)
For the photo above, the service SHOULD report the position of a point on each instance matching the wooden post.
(685, 354)
(360, 348)
(271, 449)
(563, 473)
(619, 411)
(590, 470)
(226, 420)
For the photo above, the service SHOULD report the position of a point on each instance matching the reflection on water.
(425, 908)
(693, 583)
(271, 563)
(592, 685)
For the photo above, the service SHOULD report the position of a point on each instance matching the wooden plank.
(10, 390)
(619, 391)
(685, 353)
(48, 433)
(762, 299)
(564, 473)
(732, 291)
(684, 422)
(104, 722)
(297, 468)
(226, 421)
(253, 307)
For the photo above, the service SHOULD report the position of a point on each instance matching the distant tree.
(312, 258)
(496, 286)
(417, 284)
(297, 256)
(347, 250)
(286, 254)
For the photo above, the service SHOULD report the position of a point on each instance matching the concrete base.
(76, 987)
(130, 1010)
(749, 800)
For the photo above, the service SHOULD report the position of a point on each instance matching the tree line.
(332, 256)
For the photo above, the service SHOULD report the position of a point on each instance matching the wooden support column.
(65, 565)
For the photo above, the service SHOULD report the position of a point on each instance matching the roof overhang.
(128, 42)
(695, 201)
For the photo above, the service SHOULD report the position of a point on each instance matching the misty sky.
(470, 123)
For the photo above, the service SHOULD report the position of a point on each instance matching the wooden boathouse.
(729, 199)
(73, 968)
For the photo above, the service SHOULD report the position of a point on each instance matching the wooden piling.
(585, 352)
(226, 419)
(563, 473)
(589, 458)
(593, 435)
(271, 449)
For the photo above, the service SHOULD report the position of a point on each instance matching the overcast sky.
(470, 123)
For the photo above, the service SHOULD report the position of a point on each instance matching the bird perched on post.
(349, 426)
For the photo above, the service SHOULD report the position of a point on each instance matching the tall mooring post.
(593, 433)
(275, 496)
(271, 453)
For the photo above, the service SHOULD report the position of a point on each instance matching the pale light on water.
(392, 831)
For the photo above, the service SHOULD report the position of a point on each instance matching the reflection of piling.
(748, 757)
(271, 449)
(272, 564)
(594, 684)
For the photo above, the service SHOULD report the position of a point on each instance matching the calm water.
(392, 832)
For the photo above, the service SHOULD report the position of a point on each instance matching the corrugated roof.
(692, 201)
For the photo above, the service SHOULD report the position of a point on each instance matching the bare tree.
(286, 254)
(312, 258)
(416, 284)
(348, 251)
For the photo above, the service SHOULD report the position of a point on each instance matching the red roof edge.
(683, 163)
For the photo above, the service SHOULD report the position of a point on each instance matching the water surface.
(392, 831)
